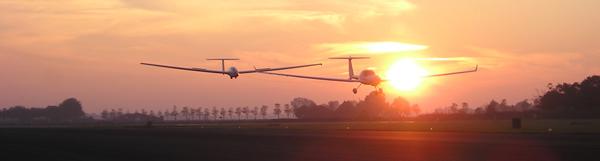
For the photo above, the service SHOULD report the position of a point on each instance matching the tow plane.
(366, 77)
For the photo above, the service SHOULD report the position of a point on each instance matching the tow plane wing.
(453, 73)
(276, 69)
(311, 77)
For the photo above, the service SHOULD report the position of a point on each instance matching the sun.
(406, 74)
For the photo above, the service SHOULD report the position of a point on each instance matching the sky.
(91, 49)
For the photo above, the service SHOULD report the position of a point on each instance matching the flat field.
(482, 126)
(295, 141)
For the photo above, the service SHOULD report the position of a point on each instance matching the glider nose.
(233, 72)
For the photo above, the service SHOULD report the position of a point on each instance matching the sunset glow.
(47, 49)
(376, 47)
(293, 80)
(385, 47)
(406, 74)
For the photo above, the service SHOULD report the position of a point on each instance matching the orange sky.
(90, 49)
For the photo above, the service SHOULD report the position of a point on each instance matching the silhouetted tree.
(464, 108)
(144, 112)
(263, 111)
(453, 108)
(572, 100)
(287, 110)
(503, 106)
(174, 113)
(300, 102)
(160, 115)
(479, 110)
(119, 112)
(70, 109)
(245, 112)
(206, 114)
(277, 110)
(113, 114)
(333, 105)
(373, 105)
(255, 112)
(523, 105)
(199, 113)
(214, 112)
(192, 113)
(238, 112)
(314, 112)
(104, 114)
(185, 112)
(230, 113)
(347, 110)
(399, 108)
(223, 112)
(491, 108)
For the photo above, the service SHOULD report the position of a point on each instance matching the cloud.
(444, 59)
(545, 60)
(334, 12)
(119, 25)
(364, 47)
(352, 7)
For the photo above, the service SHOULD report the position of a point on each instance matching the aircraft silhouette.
(233, 72)
(366, 77)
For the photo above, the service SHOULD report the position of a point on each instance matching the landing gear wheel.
(355, 90)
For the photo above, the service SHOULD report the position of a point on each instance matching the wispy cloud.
(376, 47)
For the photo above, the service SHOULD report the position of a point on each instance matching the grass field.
(566, 126)
(487, 126)
(298, 141)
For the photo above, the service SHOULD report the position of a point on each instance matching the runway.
(192, 143)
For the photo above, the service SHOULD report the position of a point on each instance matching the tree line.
(572, 100)
(202, 114)
(564, 100)
(491, 110)
(69, 110)
(373, 107)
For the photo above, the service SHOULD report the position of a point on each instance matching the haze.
(90, 49)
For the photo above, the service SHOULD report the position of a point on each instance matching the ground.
(343, 141)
